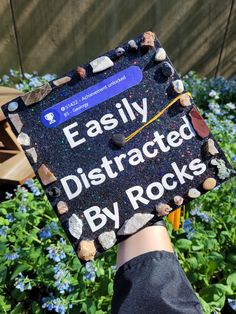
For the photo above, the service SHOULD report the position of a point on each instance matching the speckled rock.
(178, 86)
(210, 147)
(12, 106)
(107, 239)
(75, 225)
(134, 223)
(23, 139)
(16, 121)
(62, 208)
(61, 81)
(87, 250)
(166, 69)
(32, 154)
(199, 123)
(101, 64)
(36, 95)
(163, 209)
(81, 72)
(46, 176)
(120, 51)
(118, 139)
(209, 184)
(178, 200)
(185, 100)
(148, 41)
(223, 171)
(132, 45)
(160, 55)
(194, 193)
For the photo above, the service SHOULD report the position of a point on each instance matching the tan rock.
(194, 193)
(160, 55)
(209, 184)
(87, 250)
(46, 175)
(81, 72)
(16, 121)
(62, 208)
(148, 40)
(185, 100)
(163, 209)
(211, 149)
(61, 81)
(31, 152)
(36, 95)
(178, 200)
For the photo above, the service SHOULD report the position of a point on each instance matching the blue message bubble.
(92, 96)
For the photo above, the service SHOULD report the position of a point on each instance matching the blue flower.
(56, 304)
(203, 216)
(10, 217)
(33, 188)
(49, 77)
(11, 256)
(90, 272)
(3, 230)
(22, 208)
(46, 232)
(22, 283)
(56, 252)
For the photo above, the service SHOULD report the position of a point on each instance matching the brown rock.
(31, 152)
(46, 175)
(163, 209)
(209, 184)
(62, 208)
(199, 123)
(36, 95)
(87, 250)
(61, 81)
(16, 121)
(81, 72)
(178, 200)
(185, 100)
(194, 193)
(148, 40)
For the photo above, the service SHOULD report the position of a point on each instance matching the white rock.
(120, 51)
(75, 226)
(178, 86)
(194, 193)
(107, 239)
(23, 139)
(134, 223)
(133, 44)
(160, 55)
(178, 200)
(31, 152)
(101, 64)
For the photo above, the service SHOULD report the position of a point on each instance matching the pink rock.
(46, 175)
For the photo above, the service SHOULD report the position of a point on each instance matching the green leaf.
(19, 269)
(17, 309)
(183, 244)
(36, 309)
(198, 247)
(231, 280)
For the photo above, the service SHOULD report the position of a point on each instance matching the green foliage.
(40, 272)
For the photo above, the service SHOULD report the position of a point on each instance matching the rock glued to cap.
(120, 51)
(223, 171)
(166, 69)
(46, 176)
(163, 209)
(16, 121)
(209, 147)
(178, 86)
(36, 95)
(23, 139)
(178, 200)
(185, 100)
(194, 193)
(61, 81)
(75, 226)
(148, 41)
(209, 184)
(62, 208)
(81, 72)
(32, 154)
(107, 239)
(87, 250)
(54, 192)
(118, 140)
(132, 45)
(101, 64)
(199, 123)
(160, 55)
(133, 224)
(12, 106)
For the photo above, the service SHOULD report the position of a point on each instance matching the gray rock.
(12, 106)
(132, 44)
(178, 86)
(75, 226)
(120, 51)
(134, 223)
(101, 64)
(160, 55)
(223, 171)
(31, 152)
(23, 139)
(107, 239)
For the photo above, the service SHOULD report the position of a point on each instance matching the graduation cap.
(117, 143)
